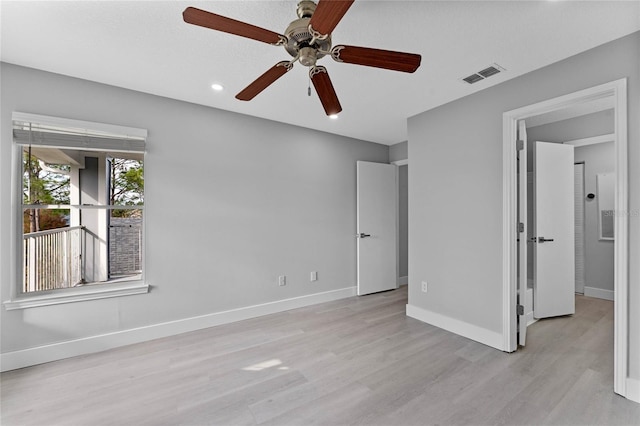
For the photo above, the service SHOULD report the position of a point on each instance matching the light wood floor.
(354, 361)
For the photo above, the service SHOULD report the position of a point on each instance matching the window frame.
(18, 299)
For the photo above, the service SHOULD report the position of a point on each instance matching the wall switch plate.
(282, 280)
(314, 276)
(424, 286)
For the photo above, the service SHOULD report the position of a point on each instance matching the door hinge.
(519, 144)
(520, 227)
(520, 309)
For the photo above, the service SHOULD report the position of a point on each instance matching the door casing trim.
(618, 90)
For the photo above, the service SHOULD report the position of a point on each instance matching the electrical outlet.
(282, 280)
(314, 276)
(424, 286)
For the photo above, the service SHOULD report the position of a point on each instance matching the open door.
(554, 238)
(376, 223)
(522, 232)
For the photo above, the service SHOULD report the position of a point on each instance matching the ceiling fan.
(306, 39)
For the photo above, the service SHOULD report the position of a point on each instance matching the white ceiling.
(145, 46)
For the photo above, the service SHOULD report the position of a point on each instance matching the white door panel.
(376, 204)
(554, 249)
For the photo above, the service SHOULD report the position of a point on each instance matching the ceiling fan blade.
(202, 18)
(264, 81)
(327, 15)
(327, 94)
(387, 59)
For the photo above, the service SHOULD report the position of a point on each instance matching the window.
(81, 210)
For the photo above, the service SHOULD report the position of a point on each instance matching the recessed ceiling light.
(217, 87)
(333, 116)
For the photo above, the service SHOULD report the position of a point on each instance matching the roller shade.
(46, 131)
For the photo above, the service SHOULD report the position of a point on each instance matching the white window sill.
(77, 294)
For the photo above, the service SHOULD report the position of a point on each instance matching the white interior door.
(376, 211)
(554, 224)
(522, 233)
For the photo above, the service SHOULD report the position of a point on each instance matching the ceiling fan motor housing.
(299, 37)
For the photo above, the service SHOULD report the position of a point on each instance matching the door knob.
(544, 240)
(363, 235)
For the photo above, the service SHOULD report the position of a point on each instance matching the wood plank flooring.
(357, 361)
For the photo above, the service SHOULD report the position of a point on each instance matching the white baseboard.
(599, 293)
(633, 389)
(464, 329)
(57, 351)
(530, 318)
(403, 280)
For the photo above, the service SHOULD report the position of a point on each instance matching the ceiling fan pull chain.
(309, 88)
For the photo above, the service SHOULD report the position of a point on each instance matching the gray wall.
(231, 202)
(398, 152)
(598, 158)
(455, 187)
(585, 126)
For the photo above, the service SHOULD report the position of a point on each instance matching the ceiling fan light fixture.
(333, 116)
(307, 39)
(308, 56)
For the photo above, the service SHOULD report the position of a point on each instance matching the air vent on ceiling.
(488, 72)
(485, 73)
(473, 78)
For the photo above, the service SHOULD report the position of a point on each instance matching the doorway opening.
(403, 222)
(616, 93)
(588, 133)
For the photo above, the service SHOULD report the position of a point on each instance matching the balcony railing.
(53, 259)
(66, 257)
